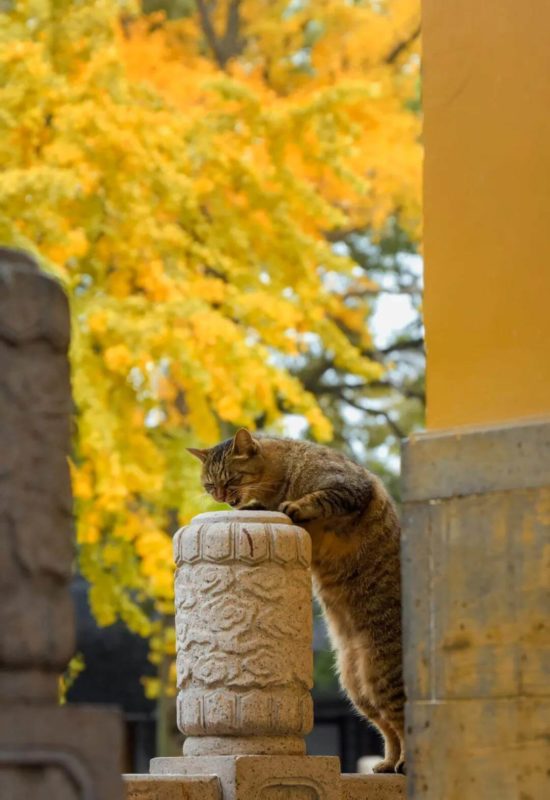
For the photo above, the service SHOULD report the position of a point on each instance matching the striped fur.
(356, 574)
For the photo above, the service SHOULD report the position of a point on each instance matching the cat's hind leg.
(392, 742)
(349, 662)
(396, 719)
(389, 699)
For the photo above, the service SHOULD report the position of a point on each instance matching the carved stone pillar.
(244, 657)
(244, 643)
(243, 626)
(45, 751)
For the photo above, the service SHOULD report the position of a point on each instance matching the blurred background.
(229, 192)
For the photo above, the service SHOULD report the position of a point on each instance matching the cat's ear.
(200, 454)
(244, 445)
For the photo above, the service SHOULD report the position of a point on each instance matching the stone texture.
(495, 749)
(36, 549)
(476, 460)
(480, 599)
(263, 777)
(172, 787)
(243, 627)
(46, 752)
(373, 787)
(59, 753)
(476, 600)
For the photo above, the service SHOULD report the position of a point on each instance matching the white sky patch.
(294, 426)
(393, 312)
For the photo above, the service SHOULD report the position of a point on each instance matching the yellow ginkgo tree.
(186, 180)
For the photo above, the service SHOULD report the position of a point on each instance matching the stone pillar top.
(33, 305)
(242, 516)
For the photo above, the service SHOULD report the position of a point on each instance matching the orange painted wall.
(487, 209)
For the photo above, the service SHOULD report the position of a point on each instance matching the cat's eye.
(209, 487)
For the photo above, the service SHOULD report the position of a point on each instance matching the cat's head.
(234, 471)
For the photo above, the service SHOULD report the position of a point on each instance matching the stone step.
(373, 787)
(172, 787)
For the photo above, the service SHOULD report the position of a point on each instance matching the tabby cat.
(355, 536)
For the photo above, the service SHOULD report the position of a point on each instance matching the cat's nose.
(219, 495)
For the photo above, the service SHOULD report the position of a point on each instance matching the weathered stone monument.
(244, 658)
(46, 752)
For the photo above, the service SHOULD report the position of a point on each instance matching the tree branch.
(339, 388)
(310, 377)
(233, 45)
(377, 412)
(396, 51)
(210, 33)
(230, 44)
(413, 394)
(337, 234)
(408, 344)
(400, 289)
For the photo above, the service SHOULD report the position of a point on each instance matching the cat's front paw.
(295, 511)
(253, 505)
(401, 768)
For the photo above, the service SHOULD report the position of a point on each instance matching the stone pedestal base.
(262, 777)
(172, 787)
(259, 778)
(69, 753)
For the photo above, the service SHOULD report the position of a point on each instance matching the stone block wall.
(476, 596)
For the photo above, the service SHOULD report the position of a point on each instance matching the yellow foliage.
(74, 668)
(186, 204)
